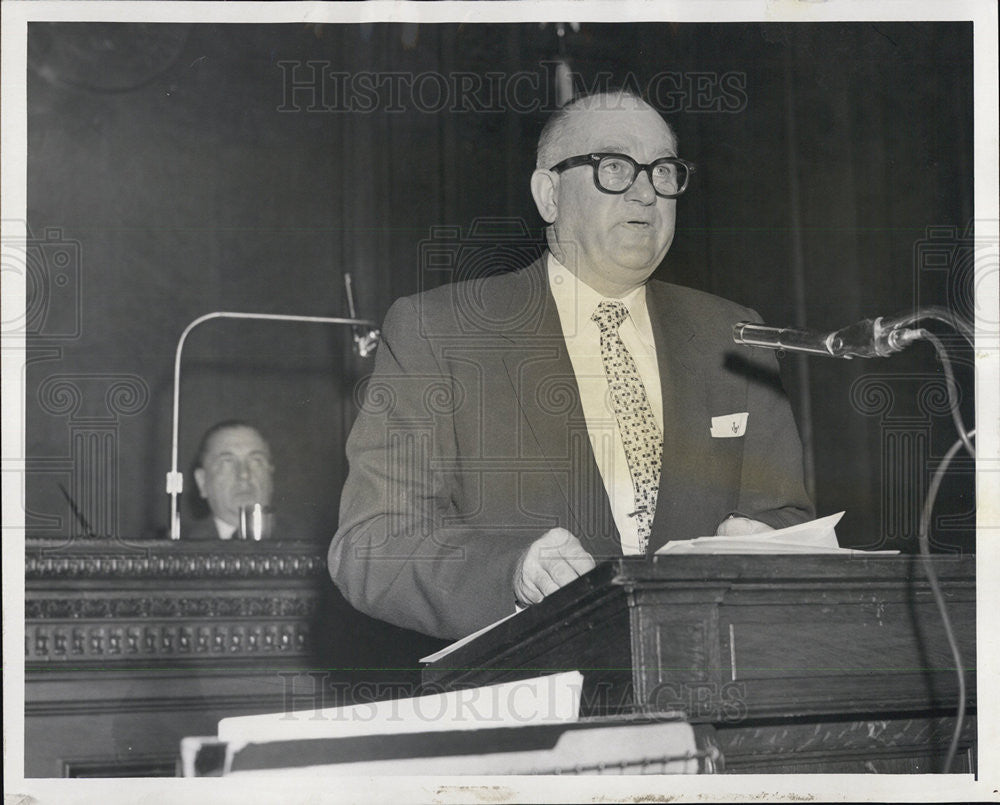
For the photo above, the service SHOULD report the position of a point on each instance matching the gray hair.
(557, 125)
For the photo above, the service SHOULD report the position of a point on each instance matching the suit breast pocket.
(729, 426)
(726, 423)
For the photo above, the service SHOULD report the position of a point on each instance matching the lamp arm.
(175, 479)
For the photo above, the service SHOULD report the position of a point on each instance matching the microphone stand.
(365, 336)
(881, 338)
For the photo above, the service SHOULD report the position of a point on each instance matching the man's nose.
(641, 189)
(242, 468)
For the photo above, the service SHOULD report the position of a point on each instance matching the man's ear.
(199, 478)
(545, 191)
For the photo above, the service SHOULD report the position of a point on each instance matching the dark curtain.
(175, 170)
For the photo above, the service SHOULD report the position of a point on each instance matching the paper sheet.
(542, 700)
(815, 536)
(444, 652)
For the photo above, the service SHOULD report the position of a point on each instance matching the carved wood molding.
(114, 703)
(100, 601)
(137, 641)
(51, 560)
(170, 606)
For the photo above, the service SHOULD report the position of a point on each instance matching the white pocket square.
(729, 426)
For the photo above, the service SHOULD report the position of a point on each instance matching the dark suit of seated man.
(233, 469)
(519, 428)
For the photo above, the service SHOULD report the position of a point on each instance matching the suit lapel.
(555, 430)
(677, 359)
(544, 385)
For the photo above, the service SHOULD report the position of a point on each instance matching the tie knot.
(610, 314)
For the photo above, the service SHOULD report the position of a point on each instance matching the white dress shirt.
(576, 302)
(225, 530)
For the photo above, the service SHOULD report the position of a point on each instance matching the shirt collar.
(226, 531)
(576, 301)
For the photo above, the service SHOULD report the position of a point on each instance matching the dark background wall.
(178, 169)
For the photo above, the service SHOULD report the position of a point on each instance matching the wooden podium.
(825, 663)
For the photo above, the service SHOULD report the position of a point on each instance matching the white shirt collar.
(576, 301)
(226, 531)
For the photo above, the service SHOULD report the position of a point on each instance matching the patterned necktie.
(640, 433)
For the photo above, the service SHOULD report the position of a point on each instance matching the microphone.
(365, 338)
(869, 338)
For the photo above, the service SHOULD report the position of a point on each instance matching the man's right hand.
(550, 562)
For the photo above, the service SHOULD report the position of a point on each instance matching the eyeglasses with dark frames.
(616, 173)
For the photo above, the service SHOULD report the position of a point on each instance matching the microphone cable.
(923, 534)
(932, 579)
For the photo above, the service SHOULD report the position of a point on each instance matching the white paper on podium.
(541, 700)
(815, 536)
(444, 652)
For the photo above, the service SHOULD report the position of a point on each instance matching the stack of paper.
(816, 536)
(528, 726)
(552, 699)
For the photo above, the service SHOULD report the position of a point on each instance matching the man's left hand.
(741, 527)
(552, 561)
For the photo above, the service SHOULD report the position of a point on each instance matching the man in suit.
(521, 427)
(233, 469)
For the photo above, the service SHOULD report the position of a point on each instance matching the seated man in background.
(233, 469)
(519, 428)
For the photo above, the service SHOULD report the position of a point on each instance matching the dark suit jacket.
(471, 443)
